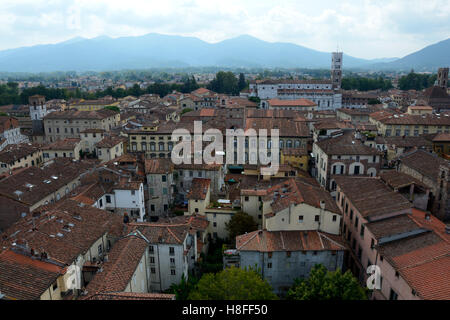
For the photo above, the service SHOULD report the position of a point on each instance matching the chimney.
(427, 216)
(322, 204)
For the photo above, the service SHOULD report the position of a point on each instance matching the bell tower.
(336, 70)
(38, 110)
(442, 78)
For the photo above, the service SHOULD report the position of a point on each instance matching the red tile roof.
(269, 241)
(131, 296)
(24, 278)
(199, 189)
(292, 103)
(371, 197)
(117, 272)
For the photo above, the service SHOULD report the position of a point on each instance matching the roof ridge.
(445, 254)
(331, 240)
(255, 234)
(282, 239)
(173, 234)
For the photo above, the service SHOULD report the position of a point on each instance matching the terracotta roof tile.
(269, 241)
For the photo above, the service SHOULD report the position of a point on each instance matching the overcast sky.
(361, 28)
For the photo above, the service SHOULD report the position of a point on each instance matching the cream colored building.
(70, 123)
(308, 208)
(90, 137)
(67, 148)
(20, 156)
(420, 110)
(109, 148)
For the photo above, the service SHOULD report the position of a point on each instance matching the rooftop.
(76, 114)
(24, 278)
(423, 162)
(199, 189)
(371, 197)
(291, 103)
(345, 144)
(66, 144)
(14, 152)
(34, 184)
(270, 241)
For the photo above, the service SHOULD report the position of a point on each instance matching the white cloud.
(367, 28)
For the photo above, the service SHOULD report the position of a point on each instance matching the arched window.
(144, 146)
(281, 144)
(297, 143)
(161, 146)
(152, 146)
(58, 197)
(289, 144)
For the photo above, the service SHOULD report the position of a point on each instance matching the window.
(152, 259)
(171, 251)
(334, 217)
(55, 286)
(397, 274)
(356, 222)
(288, 254)
(269, 265)
(100, 250)
(151, 249)
(133, 192)
(164, 178)
(316, 218)
(362, 231)
(351, 215)
(172, 260)
(300, 219)
(393, 295)
(153, 270)
(172, 272)
(246, 198)
(215, 224)
(372, 244)
(108, 199)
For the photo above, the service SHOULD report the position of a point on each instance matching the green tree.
(183, 289)
(374, 101)
(240, 223)
(232, 284)
(113, 108)
(256, 100)
(326, 285)
(186, 110)
(224, 82)
(242, 84)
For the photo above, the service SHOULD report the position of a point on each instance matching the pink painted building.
(381, 228)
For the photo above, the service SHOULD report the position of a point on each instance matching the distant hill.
(156, 50)
(429, 58)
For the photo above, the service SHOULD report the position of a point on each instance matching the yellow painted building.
(411, 125)
(441, 145)
(93, 105)
(296, 158)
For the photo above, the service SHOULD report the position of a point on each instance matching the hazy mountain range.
(156, 50)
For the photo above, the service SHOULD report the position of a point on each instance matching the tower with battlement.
(336, 70)
(442, 78)
(38, 110)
